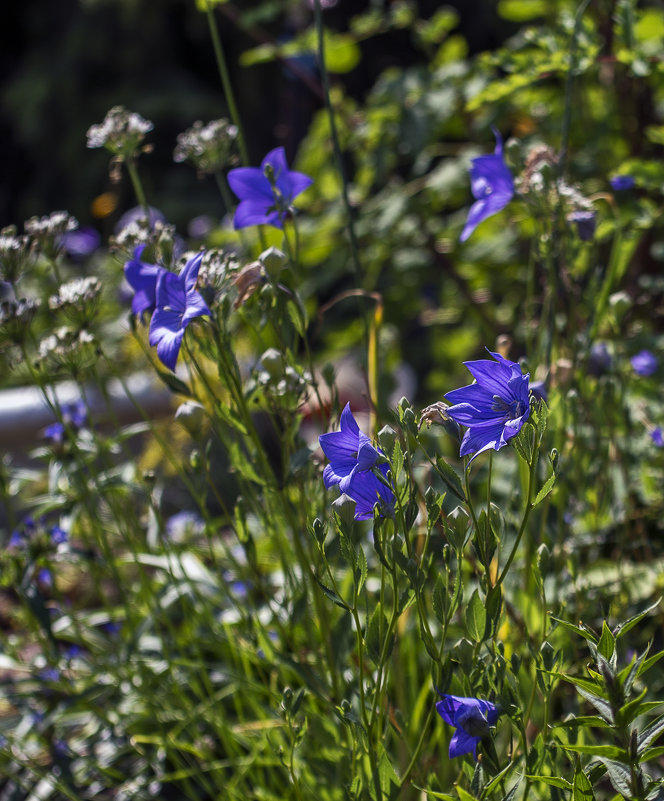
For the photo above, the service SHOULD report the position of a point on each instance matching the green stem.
(567, 114)
(526, 515)
(354, 247)
(138, 189)
(226, 81)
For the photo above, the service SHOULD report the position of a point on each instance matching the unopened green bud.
(273, 260)
(621, 303)
(319, 530)
(190, 415)
(273, 363)
(543, 559)
(195, 459)
(387, 437)
(287, 698)
(345, 510)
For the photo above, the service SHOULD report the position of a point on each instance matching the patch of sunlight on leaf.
(521, 10)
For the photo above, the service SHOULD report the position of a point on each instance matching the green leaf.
(581, 789)
(650, 734)
(397, 461)
(331, 594)
(588, 686)
(464, 795)
(498, 778)
(623, 628)
(372, 637)
(651, 753)
(541, 415)
(439, 599)
(451, 478)
(484, 540)
(628, 674)
(476, 617)
(361, 568)
(512, 791)
(295, 315)
(174, 383)
(524, 442)
(582, 720)
(606, 645)
(620, 777)
(602, 706)
(386, 772)
(554, 781)
(649, 663)
(230, 417)
(493, 606)
(596, 750)
(627, 713)
(547, 487)
(433, 794)
(202, 5)
(522, 10)
(584, 631)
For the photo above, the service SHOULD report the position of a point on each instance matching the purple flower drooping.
(143, 279)
(494, 408)
(266, 200)
(657, 436)
(585, 222)
(644, 363)
(472, 719)
(352, 458)
(177, 304)
(492, 186)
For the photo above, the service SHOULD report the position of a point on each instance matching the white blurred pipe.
(24, 413)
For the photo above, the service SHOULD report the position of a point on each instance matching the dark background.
(64, 64)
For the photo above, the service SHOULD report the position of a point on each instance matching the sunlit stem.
(526, 515)
(138, 189)
(226, 81)
(354, 247)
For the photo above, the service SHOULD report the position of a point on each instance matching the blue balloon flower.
(494, 408)
(177, 304)
(622, 182)
(657, 436)
(472, 719)
(492, 186)
(644, 363)
(349, 450)
(585, 222)
(143, 279)
(73, 414)
(267, 192)
(367, 490)
(352, 458)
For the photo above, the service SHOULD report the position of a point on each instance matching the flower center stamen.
(510, 410)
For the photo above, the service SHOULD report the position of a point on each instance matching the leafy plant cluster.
(288, 583)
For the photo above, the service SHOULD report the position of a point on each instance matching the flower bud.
(387, 437)
(273, 363)
(191, 415)
(345, 509)
(273, 260)
(621, 303)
